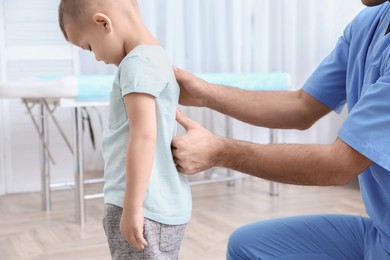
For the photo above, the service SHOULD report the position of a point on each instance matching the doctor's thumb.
(185, 121)
(178, 72)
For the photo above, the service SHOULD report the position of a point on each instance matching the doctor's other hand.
(193, 90)
(198, 149)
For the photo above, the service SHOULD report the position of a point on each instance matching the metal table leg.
(274, 186)
(78, 166)
(45, 163)
(229, 134)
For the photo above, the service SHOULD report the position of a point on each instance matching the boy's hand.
(132, 227)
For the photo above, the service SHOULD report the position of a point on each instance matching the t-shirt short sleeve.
(327, 83)
(140, 74)
(367, 127)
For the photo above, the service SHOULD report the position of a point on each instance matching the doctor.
(356, 73)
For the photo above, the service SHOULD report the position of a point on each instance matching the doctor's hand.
(197, 150)
(193, 90)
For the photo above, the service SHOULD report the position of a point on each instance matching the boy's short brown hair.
(72, 11)
(76, 11)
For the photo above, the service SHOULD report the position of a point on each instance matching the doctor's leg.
(322, 237)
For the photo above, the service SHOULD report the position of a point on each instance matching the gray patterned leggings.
(163, 240)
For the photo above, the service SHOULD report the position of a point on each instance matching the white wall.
(2, 123)
(3, 113)
(253, 35)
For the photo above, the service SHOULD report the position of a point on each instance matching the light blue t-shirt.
(146, 69)
(357, 72)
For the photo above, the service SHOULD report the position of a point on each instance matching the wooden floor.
(28, 233)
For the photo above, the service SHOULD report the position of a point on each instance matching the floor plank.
(26, 232)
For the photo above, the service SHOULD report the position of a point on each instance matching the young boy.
(147, 202)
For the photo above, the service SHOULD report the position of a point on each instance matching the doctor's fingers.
(186, 164)
(182, 76)
(186, 122)
(180, 161)
(186, 169)
(178, 145)
(181, 149)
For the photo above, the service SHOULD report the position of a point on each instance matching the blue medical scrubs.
(356, 73)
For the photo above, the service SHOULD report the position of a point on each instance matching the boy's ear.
(103, 21)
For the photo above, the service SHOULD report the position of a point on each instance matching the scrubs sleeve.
(141, 75)
(327, 83)
(367, 127)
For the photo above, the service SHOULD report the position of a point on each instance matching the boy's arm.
(141, 112)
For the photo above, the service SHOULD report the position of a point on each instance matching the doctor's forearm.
(294, 164)
(271, 109)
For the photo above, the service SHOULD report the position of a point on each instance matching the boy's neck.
(145, 38)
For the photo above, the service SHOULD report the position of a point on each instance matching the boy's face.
(373, 2)
(106, 46)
